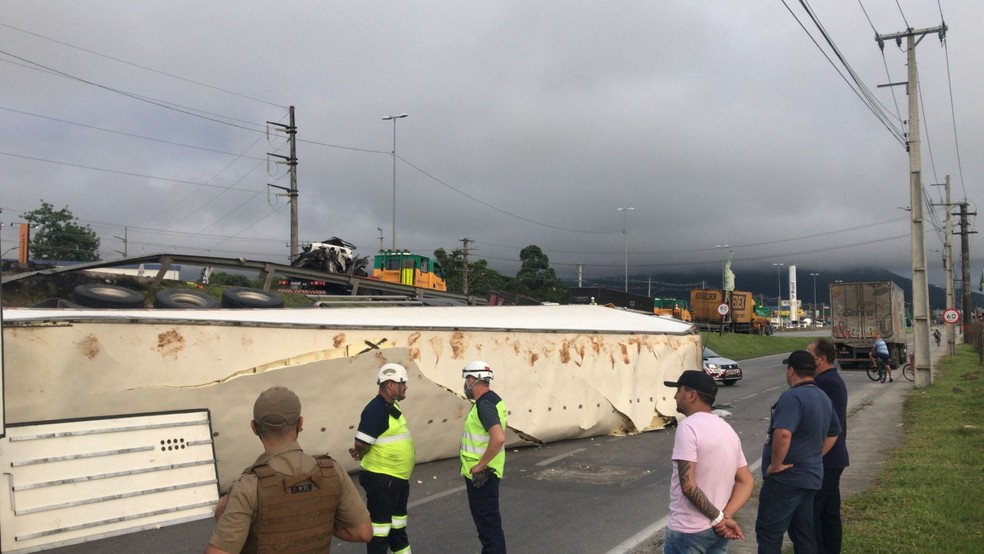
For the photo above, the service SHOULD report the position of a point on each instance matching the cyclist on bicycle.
(936, 336)
(879, 357)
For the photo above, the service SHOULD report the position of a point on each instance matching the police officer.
(483, 456)
(287, 501)
(384, 445)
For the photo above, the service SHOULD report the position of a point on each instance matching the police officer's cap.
(277, 407)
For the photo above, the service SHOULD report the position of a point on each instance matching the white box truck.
(860, 310)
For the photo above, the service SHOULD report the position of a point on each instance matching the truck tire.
(184, 299)
(242, 297)
(97, 295)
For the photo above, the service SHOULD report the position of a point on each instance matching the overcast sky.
(529, 123)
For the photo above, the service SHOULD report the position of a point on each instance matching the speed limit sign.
(951, 315)
(723, 309)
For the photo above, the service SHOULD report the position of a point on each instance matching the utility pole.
(948, 266)
(466, 269)
(291, 162)
(965, 232)
(920, 284)
(123, 238)
(580, 275)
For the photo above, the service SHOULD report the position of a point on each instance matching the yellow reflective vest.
(392, 453)
(475, 440)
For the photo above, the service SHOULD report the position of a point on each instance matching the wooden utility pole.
(291, 162)
(920, 284)
(466, 269)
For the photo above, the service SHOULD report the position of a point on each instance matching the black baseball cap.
(802, 361)
(696, 380)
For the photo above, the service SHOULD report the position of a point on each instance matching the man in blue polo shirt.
(803, 427)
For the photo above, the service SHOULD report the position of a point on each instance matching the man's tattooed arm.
(688, 484)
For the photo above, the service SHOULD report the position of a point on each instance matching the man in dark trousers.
(802, 428)
(287, 501)
(385, 448)
(483, 455)
(826, 505)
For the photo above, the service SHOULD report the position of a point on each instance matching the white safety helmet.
(392, 372)
(479, 370)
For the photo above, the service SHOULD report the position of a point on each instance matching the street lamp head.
(398, 116)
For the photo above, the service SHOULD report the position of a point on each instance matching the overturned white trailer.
(564, 371)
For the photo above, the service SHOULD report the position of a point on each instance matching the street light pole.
(779, 302)
(394, 118)
(625, 240)
(815, 316)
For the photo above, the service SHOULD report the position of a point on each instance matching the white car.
(722, 369)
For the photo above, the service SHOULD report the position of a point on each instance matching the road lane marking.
(437, 496)
(549, 461)
(634, 541)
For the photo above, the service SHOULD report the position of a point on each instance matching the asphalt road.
(600, 495)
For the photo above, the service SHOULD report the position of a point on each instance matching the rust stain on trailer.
(533, 358)
(338, 340)
(565, 352)
(89, 346)
(412, 344)
(597, 344)
(458, 345)
(438, 347)
(624, 349)
(169, 343)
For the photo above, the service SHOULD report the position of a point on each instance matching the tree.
(481, 278)
(58, 237)
(535, 277)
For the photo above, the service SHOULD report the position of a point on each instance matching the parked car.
(722, 369)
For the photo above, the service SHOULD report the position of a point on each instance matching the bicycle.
(877, 371)
(908, 372)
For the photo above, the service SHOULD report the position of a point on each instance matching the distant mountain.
(765, 284)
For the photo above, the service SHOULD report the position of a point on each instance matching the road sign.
(951, 316)
(723, 309)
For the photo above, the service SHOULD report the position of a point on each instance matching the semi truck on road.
(859, 310)
(741, 316)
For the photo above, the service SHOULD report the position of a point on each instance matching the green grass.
(928, 496)
(742, 347)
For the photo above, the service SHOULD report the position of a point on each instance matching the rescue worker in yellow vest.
(287, 501)
(483, 455)
(384, 445)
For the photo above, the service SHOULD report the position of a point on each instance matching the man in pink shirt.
(711, 480)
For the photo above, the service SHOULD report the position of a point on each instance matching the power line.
(132, 135)
(903, 14)
(127, 173)
(500, 210)
(953, 115)
(153, 101)
(859, 88)
(185, 79)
